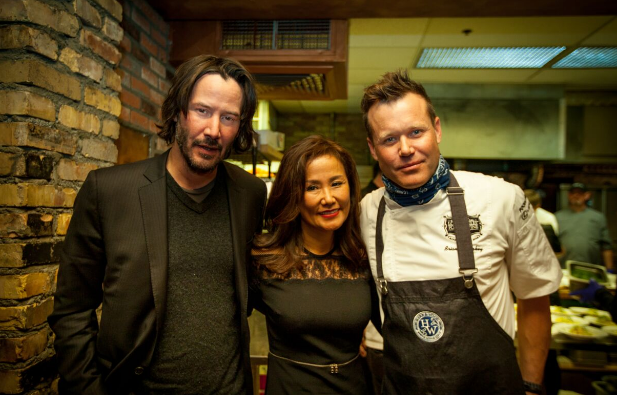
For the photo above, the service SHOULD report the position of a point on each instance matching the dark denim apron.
(439, 338)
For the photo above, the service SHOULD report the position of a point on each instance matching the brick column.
(59, 108)
(145, 75)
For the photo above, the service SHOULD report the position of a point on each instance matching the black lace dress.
(315, 318)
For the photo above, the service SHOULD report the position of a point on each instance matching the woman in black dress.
(310, 274)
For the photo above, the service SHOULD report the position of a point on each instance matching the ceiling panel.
(607, 35)
(590, 78)
(395, 26)
(514, 76)
(368, 76)
(379, 58)
(518, 32)
(384, 41)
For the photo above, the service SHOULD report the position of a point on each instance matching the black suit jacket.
(115, 253)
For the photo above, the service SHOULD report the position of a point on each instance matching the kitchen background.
(82, 82)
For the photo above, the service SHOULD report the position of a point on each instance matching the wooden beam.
(192, 38)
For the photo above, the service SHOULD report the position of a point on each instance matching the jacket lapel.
(153, 199)
(238, 218)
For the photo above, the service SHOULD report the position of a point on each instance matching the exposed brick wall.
(346, 129)
(59, 108)
(146, 76)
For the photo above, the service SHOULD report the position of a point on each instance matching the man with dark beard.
(163, 245)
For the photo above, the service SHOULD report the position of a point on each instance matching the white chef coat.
(372, 337)
(510, 249)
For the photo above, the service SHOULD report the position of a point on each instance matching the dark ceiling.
(345, 9)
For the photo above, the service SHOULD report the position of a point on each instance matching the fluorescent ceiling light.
(487, 58)
(589, 57)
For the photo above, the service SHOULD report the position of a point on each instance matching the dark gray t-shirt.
(584, 235)
(198, 350)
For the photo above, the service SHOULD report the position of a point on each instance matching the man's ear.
(371, 148)
(438, 129)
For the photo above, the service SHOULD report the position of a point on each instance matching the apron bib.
(439, 338)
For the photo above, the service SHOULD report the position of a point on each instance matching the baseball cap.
(578, 185)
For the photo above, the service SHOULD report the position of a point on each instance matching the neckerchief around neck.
(424, 194)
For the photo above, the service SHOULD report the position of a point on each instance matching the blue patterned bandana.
(424, 194)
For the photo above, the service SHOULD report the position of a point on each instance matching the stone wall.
(59, 108)
(62, 114)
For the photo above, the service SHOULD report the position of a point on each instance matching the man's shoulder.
(470, 176)
(125, 170)
(368, 208)
(482, 190)
(594, 213)
(478, 181)
(589, 212)
(371, 200)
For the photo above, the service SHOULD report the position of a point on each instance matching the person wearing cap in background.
(583, 231)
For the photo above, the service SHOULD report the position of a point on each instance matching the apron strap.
(382, 284)
(464, 247)
(467, 265)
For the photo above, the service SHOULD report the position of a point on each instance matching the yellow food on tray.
(580, 331)
(563, 319)
(603, 321)
(598, 313)
(559, 310)
(611, 330)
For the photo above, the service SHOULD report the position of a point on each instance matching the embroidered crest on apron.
(428, 326)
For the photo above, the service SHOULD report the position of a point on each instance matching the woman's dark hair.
(182, 85)
(283, 221)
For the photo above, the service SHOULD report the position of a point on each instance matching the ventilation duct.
(276, 35)
(290, 59)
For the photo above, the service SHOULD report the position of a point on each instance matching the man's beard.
(195, 165)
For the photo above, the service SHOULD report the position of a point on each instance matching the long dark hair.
(282, 216)
(184, 81)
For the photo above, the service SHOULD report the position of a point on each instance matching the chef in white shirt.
(447, 250)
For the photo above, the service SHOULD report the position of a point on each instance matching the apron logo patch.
(428, 326)
(475, 227)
